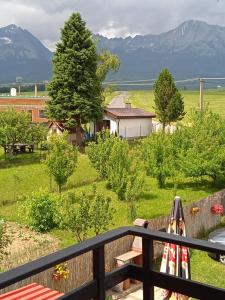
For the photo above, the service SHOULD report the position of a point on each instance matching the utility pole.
(201, 94)
(35, 90)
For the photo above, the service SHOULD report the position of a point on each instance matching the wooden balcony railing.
(102, 281)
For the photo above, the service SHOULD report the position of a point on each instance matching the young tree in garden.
(91, 212)
(75, 89)
(41, 211)
(201, 145)
(37, 133)
(99, 151)
(124, 173)
(169, 105)
(78, 217)
(16, 127)
(101, 214)
(157, 153)
(118, 167)
(134, 187)
(61, 159)
(112, 158)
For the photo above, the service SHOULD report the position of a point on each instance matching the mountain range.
(193, 49)
(22, 54)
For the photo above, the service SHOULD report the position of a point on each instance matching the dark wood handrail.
(101, 281)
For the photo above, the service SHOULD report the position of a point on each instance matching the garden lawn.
(207, 270)
(154, 202)
(215, 99)
(25, 174)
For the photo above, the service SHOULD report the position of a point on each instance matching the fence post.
(99, 272)
(148, 254)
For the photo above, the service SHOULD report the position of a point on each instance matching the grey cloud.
(110, 17)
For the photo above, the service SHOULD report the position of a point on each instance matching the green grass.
(153, 202)
(207, 270)
(204, 268)
(215, 99)
(33, 175)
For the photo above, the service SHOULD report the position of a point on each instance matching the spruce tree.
(75, 89)
(169, 105)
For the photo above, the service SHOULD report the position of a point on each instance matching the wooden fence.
(81, 267)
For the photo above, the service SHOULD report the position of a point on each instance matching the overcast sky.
(121, 18)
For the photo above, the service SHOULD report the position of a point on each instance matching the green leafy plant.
(118, 167)
(16, 127)
(114, 161)
(157, 153)
(75, 88)
(61, 159)
(101, 213)
(41, 211)
(99, 151)
(201, 145)
(169, 105)
(88, 213)
(4, 240)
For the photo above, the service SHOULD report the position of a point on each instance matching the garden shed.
(59, 128)
(126, 122)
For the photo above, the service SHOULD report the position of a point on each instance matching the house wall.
(113, 126)
(30, 105)
(134, 128)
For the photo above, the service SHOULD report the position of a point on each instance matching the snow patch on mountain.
(6, 40)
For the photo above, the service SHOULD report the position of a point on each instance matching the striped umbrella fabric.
(176, 259)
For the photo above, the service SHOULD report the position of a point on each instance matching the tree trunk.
(79, 135)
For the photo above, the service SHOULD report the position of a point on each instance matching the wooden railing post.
(99, 272)
(148, 254)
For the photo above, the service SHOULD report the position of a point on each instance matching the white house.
(126, 122)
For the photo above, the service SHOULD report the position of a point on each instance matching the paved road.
(118, 101)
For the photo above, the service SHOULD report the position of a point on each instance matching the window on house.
(42, 114)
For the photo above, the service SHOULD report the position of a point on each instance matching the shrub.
(41, 211)
(4, 239)
(112, 158)
(157, 153)
(201, 145)
(118, 167)
(61, 159)
(89, 213)
(101, 213)
(99, 151)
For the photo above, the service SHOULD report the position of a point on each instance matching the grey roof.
(128, 113)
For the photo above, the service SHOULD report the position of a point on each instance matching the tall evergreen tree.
(169, 105)
(75, 88)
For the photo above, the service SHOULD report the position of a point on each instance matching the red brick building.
(35, 106)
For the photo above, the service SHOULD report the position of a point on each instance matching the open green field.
(214, 99)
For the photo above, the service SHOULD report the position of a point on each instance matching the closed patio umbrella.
(176, 259)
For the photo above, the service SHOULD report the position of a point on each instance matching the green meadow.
(214, 100)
